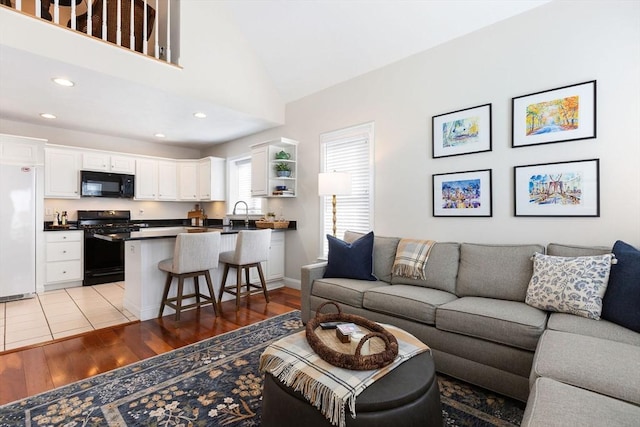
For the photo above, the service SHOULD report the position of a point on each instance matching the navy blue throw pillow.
(351, 260)
(621, 302)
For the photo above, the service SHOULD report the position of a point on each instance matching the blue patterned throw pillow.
(573, 285)
(351, 260)
(621, 303)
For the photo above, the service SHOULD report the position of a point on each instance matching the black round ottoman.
(406, 396)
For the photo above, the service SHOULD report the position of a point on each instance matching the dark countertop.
(153, 223)
(173, 232)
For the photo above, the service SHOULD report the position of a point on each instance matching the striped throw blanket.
(411, 258)
(327, 387)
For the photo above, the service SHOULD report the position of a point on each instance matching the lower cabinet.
(63, 257)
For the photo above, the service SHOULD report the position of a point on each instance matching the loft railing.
(140, 25)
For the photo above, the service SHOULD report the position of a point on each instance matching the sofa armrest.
(308, 274)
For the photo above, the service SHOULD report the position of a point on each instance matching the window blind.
(348, 150)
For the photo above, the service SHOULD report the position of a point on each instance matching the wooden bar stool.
(194, 254)
(252, 247)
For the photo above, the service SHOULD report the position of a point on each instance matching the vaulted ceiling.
(305, 46)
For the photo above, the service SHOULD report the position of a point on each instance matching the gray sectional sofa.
(470, 309)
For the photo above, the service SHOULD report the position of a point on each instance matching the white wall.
(558, 44)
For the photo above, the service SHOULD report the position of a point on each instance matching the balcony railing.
(140, 25)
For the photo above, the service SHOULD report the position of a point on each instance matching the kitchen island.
(144, 282)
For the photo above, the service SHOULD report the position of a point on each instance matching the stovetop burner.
(109, 221)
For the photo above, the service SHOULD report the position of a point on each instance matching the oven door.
(103, 261)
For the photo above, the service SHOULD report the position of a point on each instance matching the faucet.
(246, 219)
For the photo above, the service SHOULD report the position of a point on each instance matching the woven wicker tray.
(327, 346)
(272, 224)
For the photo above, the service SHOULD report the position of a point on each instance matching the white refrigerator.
(17, 231)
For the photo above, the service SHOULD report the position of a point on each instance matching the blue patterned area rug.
(214, 382)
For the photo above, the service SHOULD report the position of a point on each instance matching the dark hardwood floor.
(35, 369)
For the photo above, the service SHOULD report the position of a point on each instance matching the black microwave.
(103, 184)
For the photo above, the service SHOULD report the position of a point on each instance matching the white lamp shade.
(334, 183)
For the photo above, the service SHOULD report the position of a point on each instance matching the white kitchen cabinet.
(265, 179)
(211, 179)
(21, 150)
(62, 173)
(146, 179)
(259, 171)
(275, 265)
(188, 180)
(63, 259)
(105, 162)
(156, 180)
(167, 180)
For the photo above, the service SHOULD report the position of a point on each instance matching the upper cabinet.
(105, 162)
(188, 180)
(21, 150)
(274, 168)
(211, 179)
(61, 173)
(156, 179)
(202, 180)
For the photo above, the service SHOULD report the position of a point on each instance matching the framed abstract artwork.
(462, 193)
(461, 132)
(558, 189)
(564, 114)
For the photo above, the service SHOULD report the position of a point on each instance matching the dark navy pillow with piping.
(621, 302)
(351, 260)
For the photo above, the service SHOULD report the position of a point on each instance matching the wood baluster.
(168, 31)
(104, 19)
(157, 46)
(132, 32)
(145, 24)
(89, 18)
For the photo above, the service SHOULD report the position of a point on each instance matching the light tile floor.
(61, 313)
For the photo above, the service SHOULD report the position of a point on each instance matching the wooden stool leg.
(167, 285)
(222, 285)
(179, 297)
(196, 290)
(246, 274)
(207, 277)
(263, 282)
(238, 285)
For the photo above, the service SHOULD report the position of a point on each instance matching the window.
(348, 150)
(240, 186)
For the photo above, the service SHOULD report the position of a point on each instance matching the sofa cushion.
(384, 253)
(552, 403)
(441, 269)
(346, 291)
(621, 303)
(406, 301)
(593, 328)
(495, 271)
(350, 260)
(572, 285)
(557, 249)
(596, 364)
(505, 322)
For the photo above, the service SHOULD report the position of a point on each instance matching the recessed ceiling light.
(63, 82)
(159, 135)
(47, 116)
(199, 115)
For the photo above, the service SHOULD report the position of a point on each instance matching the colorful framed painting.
(564, 114)
(462, 132)
(558, 189)
(462, 193)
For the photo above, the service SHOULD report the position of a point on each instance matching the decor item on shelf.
(334, 184)
(283, 155)
(283, 169)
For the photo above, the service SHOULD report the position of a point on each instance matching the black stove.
(103, 260)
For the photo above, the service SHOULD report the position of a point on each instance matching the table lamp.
(334, 184)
